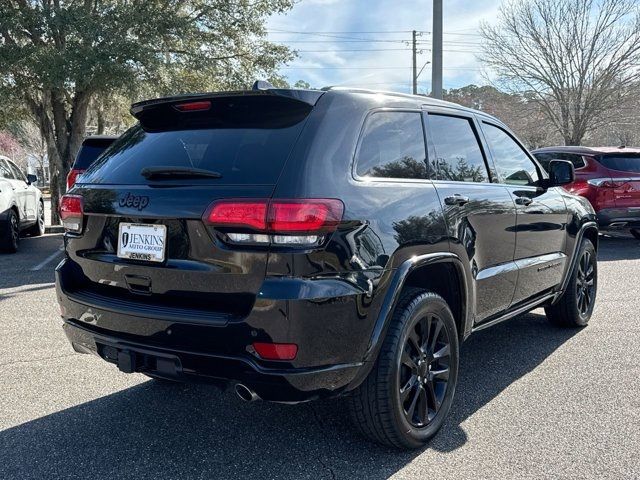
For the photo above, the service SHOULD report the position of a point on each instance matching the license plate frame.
(144, 242)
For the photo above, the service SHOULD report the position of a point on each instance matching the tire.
(635, 232)
(10, 233)
(575, 306)
(381, 406)
(37, 230)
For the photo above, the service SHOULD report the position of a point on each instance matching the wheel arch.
(421, 271)
(587, 230)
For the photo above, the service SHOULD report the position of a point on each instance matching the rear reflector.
(276, 351)
(71, 213)
(73, 176)
(296, 223)
(198, 106)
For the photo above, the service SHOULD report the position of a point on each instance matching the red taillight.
(71, 212)
(304, 215)
(276, 351)
(73, 176)
(197, 106)
(281, 222)
(239, 214)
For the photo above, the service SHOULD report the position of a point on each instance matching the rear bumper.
(329, 321)
(283, 385)
(619, 218)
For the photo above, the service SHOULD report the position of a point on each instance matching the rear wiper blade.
(177, 172)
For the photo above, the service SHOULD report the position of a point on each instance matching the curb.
(54, 229)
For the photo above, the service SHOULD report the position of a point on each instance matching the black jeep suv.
(305, 244)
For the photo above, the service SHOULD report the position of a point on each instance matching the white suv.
(21, 205)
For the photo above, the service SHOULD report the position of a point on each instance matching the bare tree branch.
(576, 56)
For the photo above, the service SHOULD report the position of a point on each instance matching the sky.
(367, 43)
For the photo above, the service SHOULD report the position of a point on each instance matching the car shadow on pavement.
(158, 430)
(618, 247)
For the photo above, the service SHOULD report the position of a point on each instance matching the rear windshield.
(246, 142)
(87, 155)
(623, 163)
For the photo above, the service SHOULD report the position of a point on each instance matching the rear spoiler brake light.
(310, 97)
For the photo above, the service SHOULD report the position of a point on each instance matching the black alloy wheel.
(585, 283)
(424, 370)
(575, 306)
(406, 397)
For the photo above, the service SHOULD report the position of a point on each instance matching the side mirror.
(31, 178)
(560, 173)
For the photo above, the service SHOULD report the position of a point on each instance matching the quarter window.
(512, 163)
(458, 154)
(393, 146)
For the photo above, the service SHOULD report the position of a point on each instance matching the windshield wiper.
(177, 172)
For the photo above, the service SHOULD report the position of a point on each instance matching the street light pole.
(415, 66)
(436, 71)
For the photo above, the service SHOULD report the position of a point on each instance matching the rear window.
(245, 140)
(87, 155)
(623, 163)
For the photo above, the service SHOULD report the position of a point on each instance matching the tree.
(30, 138)
(10, 147)
(302, 84)
(56, 56)
(573, 56)
(519, 111)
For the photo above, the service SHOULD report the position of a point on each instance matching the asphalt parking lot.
(533, 401)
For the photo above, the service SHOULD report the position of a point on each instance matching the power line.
(358, 50)
(294, 67)
(315, 32)
(300, 67)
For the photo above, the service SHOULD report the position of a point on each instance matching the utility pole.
(436, 70)
(415, 65)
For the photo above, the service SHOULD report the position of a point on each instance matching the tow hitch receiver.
(130, 361)
(126, 361)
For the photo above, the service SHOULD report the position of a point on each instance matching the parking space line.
(47, 260)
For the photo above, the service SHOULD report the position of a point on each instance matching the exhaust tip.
(245, 393)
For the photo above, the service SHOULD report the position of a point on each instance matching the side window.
(5, 171)
(392, 146)
(545, 158)
(512, 163)
(458, 153)
(17, 173)
(577, 160)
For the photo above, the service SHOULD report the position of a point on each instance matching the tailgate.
(198, 276)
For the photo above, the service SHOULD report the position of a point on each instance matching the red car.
(609, 177)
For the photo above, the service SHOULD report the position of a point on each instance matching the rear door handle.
(523, 201)
(456, 200)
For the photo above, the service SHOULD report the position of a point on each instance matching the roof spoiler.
(260, 88)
